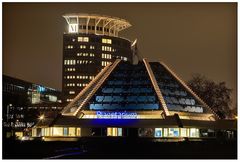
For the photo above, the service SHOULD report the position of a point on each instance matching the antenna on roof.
(135, 52)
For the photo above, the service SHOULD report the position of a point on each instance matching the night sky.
(189, 37)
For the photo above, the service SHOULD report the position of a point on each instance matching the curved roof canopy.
(94, 23)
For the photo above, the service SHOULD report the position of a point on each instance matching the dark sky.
(188, 37)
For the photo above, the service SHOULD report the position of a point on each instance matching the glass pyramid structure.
(134, 100)
(144, 88)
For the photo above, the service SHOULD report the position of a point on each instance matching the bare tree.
(216, 95)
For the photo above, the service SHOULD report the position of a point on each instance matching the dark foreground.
(120, 148)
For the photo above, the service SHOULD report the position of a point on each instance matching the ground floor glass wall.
(168, 132)
(114, 131)
(131, 132)
(56, 131)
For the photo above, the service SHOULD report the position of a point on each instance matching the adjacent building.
(136, 100)
(91, 43)
(24, 102)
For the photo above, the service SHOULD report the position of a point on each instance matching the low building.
(136, 100)
(24, 102)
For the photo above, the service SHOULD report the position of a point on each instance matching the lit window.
(184, 132)
(34, 132)
(57, 131)
(69, 62)
(103, 40)
(173, 132)
(72, 131)
(194, 132)
(158, 132)
(108, 41)
(47, 132)
(105, 63)
(114, 131)
(106, 56)
(65, 131)
(71, 92)
(165, 132)
(82, 46)
(78, 131)
(69, 100)
(83, 39)
(80, 39)
(70, 46)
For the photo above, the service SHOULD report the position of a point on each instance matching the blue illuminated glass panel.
(127, 88)
(65, 131)
(174, 94)
(119, 130)
(158, 132)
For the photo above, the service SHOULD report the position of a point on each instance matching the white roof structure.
(95, 24)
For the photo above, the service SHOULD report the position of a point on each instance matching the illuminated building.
(138, 100)
(23, 102)
(91, 42)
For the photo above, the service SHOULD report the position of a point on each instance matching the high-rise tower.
(90, 43)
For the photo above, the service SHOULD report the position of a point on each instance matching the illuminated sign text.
(116, 115)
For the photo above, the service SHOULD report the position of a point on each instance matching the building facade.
(141, 100)
(90, 43)
(24, 102)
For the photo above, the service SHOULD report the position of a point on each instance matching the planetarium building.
(141, 100)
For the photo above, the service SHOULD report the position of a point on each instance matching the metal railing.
(156, 87)
(79, 98)
(93, 89)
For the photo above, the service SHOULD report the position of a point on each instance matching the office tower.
(90, 44)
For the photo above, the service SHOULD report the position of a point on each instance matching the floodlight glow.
(41, 117)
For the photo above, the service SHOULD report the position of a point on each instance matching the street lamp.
(41, 117)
